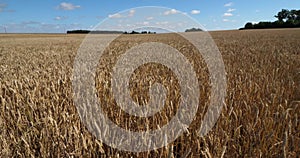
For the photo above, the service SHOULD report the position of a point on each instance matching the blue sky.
(58, 16)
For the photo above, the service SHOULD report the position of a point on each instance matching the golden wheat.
(260, 118)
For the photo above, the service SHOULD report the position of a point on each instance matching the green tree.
(294, 15)
(297, 15)
(249, 25)
(282, 15)
(286, 19)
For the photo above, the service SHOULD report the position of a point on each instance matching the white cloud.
(67, 6)
(227, 20)
(138, 24)
(60, 18)
(117, 15)
(231, 10)
(195, 12)
(57, 18)
(145, 23)
(227, 14)
(228, 4)
(131, 13)
(172, 11)
(149, 18)
(162, 23)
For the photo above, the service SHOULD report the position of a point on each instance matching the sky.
(51, 16)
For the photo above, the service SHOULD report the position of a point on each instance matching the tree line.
(142, 32)
(193, 30)
(93, 32)
(285, 19)
(107, 32)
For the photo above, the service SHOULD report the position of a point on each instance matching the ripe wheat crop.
(260, 117)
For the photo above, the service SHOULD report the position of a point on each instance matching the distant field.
(260, 117)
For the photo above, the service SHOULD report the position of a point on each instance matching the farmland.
(260, 117)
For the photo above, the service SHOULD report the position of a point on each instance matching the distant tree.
(78, 32)
(134, 32)
(249, 25)
(278, 24)
(193, 30)
(282, 15)
(93, 32)
(297, 12)
(293, 17)
(286, 19)
(262, 25)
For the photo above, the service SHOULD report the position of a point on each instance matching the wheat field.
(260, 117)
